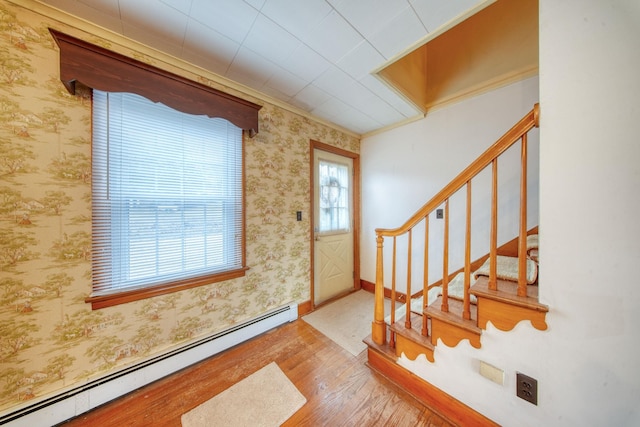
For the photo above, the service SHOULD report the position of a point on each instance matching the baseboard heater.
(71, 403)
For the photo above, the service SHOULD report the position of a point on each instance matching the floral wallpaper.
(50, 338)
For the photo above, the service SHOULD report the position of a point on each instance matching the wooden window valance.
(100, 68)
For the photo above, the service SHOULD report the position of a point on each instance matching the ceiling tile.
(146, 20)
(333, 38)
(368, 16)
(309, 97)
(251, 69)
(331, 108)
(285, 82)
(270, 40)
(341, 85)
(183, 6)
(306, 63)
(435, 13)
(390, 42)
(222, 48)
(233, 18)
(348, 117)
(256, 4)
(297, 17)
(149, 38)
(109, 7)
(361, 60)
(380, 111)
(398, 103)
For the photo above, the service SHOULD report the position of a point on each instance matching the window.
(167, 198)
(334, 197)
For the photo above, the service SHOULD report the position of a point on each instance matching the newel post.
(378, 327)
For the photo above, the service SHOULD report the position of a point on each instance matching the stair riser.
(451, 335)
(506, 316)
(412, 349)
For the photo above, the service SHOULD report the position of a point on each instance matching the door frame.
(355, 195)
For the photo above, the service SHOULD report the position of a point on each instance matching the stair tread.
(454, 315)
(385, 350)
(508, 293)
(415, 333)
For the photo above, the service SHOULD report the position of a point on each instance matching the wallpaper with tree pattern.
(50, 339)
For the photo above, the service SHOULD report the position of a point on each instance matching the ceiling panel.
(215, 56)
(434, 13)
(389, 41)
(286, 83)
(232, 18)
(270, 40)
(109, 7)
(150, 19)
(358, 63)
(367, 16)
(306, 63)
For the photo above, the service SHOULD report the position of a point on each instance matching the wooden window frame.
(99, 68)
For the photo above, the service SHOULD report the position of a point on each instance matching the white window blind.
(167, 194)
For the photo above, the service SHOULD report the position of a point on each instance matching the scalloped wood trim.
(506, 316)
(451, 335)
(412, 349)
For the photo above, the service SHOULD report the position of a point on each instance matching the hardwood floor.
(340, 389)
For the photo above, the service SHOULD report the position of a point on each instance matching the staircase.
(500, 288)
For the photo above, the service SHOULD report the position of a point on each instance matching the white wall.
(403, 168)
(587, 362)
(590, 199)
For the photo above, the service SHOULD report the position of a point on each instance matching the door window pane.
(334, 196)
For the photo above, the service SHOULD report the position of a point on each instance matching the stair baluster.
(466, 311)
(522, 243)
(425, 279)
(493, 244)
(445, 260)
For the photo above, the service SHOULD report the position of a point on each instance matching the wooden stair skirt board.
(429, 395)
(411, 342)
(505, 309)
(450, 327)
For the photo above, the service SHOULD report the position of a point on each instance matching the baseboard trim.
(73, 402)
(371, 287)
(304, 308)
(431, 396)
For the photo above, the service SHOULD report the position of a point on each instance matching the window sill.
(109, 300)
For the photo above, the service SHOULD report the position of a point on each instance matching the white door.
(333, 225)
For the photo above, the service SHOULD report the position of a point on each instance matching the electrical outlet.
(299, 215)
(439, 214)
(527, 388)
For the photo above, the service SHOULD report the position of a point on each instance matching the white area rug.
(346, 321)
(265, 398)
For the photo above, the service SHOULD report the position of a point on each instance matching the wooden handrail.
(517, 132)
(525, 124)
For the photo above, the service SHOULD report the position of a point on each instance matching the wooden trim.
(100, 68)
(428, 394)
(355, 157)
(108, 300)
(371, 287)
(304, 308)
